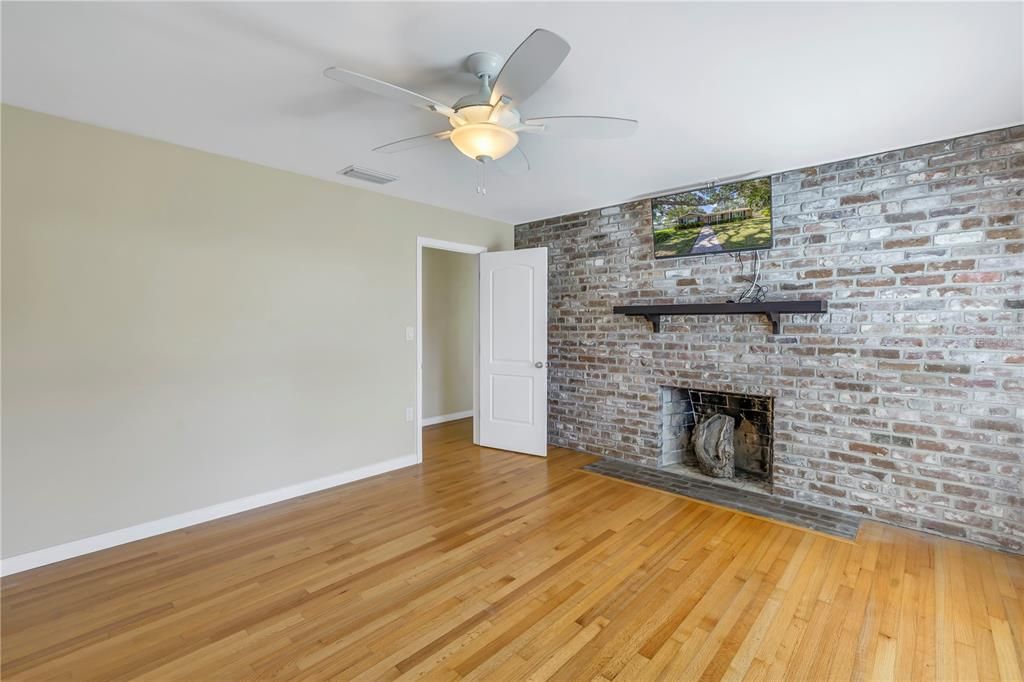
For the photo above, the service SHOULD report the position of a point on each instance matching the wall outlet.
(408, 414)
(410, 333)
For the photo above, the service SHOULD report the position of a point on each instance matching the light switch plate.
(408, 414)
(410, 333)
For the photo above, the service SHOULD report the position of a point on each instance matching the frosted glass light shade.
(484, 140)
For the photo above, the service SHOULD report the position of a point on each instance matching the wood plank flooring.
(488, 565)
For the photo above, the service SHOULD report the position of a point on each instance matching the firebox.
(743, 433)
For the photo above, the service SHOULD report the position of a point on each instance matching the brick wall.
(904, 403)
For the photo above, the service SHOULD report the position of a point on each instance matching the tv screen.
(723, 218)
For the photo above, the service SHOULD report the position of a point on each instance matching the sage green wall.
(449, 298)
(183, 329)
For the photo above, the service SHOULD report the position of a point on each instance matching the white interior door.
(514, 350)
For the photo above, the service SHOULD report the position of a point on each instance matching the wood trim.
(771, 309)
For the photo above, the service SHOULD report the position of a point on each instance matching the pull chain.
(481, 179)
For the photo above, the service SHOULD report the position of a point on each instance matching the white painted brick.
(854, 378)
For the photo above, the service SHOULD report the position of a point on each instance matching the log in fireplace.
(683, 409)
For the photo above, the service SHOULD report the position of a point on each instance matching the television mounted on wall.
(726, 218)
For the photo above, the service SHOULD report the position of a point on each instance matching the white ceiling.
(719, 88)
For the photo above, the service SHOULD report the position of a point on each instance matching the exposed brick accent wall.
(904, 403)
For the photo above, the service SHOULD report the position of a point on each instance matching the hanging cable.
(755, 292)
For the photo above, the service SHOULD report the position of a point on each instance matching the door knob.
(538, 364)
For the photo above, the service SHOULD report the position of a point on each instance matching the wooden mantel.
(771, 309)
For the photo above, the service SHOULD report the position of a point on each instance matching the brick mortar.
(904, 403)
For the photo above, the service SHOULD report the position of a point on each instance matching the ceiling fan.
(485, 125)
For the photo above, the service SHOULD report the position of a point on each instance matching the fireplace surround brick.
(904, 403)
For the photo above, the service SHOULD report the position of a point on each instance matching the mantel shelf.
(771, 309)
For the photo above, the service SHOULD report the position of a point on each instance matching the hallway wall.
(448, 302)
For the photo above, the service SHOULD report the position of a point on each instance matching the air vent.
(367, 175)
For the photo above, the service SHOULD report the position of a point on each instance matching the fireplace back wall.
(905, 402)
(683, 408)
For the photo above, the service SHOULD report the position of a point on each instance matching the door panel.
(511, 291)
(512, 399)
(513, 342)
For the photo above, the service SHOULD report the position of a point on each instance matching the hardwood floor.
(488, 565)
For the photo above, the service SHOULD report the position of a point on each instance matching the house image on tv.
(726, 216)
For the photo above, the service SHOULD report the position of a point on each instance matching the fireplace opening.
(725, 437)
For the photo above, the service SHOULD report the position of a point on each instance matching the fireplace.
(683, 409)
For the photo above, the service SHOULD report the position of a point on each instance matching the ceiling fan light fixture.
(484, 140)
(486, 124)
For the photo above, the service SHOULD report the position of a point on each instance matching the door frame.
(457, 247)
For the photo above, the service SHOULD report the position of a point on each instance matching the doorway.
(447, 334)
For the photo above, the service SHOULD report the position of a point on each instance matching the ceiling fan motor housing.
(482, 64)
(485, 113)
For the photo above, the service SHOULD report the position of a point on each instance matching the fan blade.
(530, 66)
(595, 127)
(514, 163)
(413, 142)
(724, 180)
(379, 87)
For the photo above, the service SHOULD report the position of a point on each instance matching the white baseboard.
(49, 555)
(441, 419)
